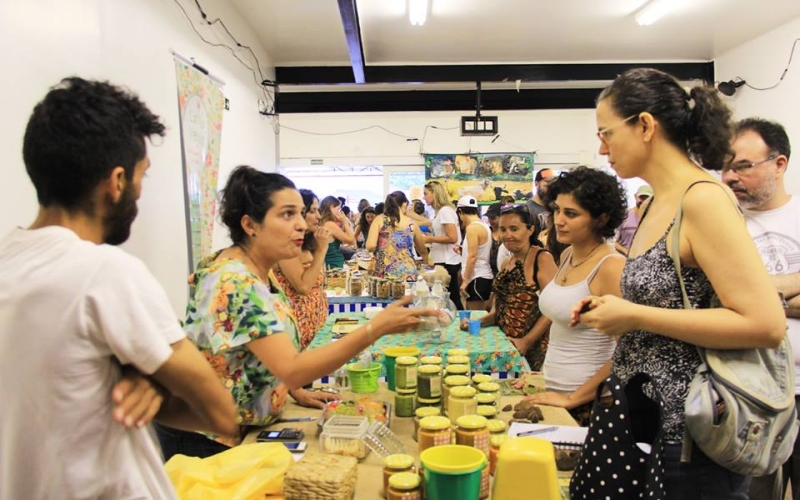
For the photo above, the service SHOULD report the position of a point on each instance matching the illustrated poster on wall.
(201, 104)
(487, 177)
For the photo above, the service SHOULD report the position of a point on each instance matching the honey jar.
(395, 464)
(494, 446)
(449, 383)
(497, 427)
(461, 402)
(404, 486)
(434, 431)
(422, 412)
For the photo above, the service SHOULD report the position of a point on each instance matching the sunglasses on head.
(513, 208)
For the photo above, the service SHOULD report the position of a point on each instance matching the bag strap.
(536, 267)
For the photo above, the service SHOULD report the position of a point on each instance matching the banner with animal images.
(488, 177)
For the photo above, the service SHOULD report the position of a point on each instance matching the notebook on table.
(562, 436)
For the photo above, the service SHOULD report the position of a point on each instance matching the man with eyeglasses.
(756, 176)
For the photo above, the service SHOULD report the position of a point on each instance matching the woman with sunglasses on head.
(336, 222)
(303, 277)
(651, 128)
(588, 205)
(446, 235)
(240, 318)
(365, 219)
(516, 288)
(393, 237)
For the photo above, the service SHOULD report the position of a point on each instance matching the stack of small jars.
(417, 385)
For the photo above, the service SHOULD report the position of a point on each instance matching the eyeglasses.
(744, 167)
(605, 133)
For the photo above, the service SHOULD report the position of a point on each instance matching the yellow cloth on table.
(244, 472)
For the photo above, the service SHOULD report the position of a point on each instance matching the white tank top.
(574, 355)
(483, 269)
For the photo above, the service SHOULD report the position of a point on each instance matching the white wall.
(761, 62)
(128, 42)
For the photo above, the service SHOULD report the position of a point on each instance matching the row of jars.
(385, 288)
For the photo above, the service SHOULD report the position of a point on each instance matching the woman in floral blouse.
(240, 319)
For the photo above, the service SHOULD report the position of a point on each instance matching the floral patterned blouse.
(311, 309)
(393, 255)
(229, 307)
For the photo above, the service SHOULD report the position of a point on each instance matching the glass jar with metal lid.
(404, 486)
(461, 402)
(422, 412)
(382, 289)
(485, 398)
(497, 427)
(395, 464)
(431, 360)
(434, 431)
(487, 411)
(429, 382)
(471, 430)
(450, 382)
(404, 402)
(456, 370)
(405, 373)
(398, 289)
(480, 378)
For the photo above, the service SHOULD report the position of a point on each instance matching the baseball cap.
(467, 201)
(644, 190)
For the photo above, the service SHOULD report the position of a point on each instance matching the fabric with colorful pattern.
(517, 308)
(228, 308)
(394, 256)
(310, 310)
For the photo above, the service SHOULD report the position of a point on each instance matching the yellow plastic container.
(522, 462)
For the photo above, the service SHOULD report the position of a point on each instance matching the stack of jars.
(431, 376)
(405, 377)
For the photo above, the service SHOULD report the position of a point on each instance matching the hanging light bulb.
(417, 12)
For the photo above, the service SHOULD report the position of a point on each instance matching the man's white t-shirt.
(443, 253)
(71, 312)
(777, 236)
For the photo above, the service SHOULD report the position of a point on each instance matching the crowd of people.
(583, 286)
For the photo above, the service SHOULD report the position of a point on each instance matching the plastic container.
(341, 435)
(405, 403)
(453, 472)
(420, 413)
(429, 382)
(449, 383)
(461, 402)
(404, 486)
(390, 354)
(434, 431)
(364, 381)
(405, 373)
(382, 440)
(395, 464)
(522, 462)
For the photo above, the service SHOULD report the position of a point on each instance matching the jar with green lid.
(429, 382)
(458, 360)
(395, 464)
(434, 431)
(487, 411)
(456, 370)
(480, 378)
(461, 402)
(404, 486)
(430, 360)
(457, 352)
(405, 373)
(497, 427)
(404, 401)
(422, 412)
(485, 398)
(489, 388)
(450, 382)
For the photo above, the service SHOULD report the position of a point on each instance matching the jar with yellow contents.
(449, 383)
(494, 447)
(461, 402)
(472, 430)
(420, 413)
(395, 464)
(404, 486)
(434, 431)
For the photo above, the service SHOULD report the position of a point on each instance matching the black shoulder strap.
(536, 266)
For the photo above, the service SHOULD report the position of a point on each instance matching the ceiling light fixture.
(417, 12)
(653, 11)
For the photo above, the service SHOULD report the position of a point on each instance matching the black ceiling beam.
(352, 32)
(332, 75)
(436, 100)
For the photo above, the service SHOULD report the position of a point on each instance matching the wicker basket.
(321, 477)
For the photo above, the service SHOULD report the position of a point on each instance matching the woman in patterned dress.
(303, 278)
(240, 318)
(650, 127)
(516, 287)
(393, 237)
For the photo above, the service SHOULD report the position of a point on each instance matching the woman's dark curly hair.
(596, 192)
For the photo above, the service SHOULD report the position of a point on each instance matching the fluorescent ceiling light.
(653, 11)
(417, 12)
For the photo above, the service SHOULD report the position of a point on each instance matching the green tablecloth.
(490, 352)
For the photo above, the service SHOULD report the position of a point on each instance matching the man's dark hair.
(78, 134)
(538, 176)
(772, 133)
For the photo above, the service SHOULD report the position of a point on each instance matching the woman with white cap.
(476, 270)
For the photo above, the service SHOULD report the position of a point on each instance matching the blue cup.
(474, 327)
(462, 315)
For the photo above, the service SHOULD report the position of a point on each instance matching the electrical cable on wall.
(268, 103)
(739, 81)
(407, 137)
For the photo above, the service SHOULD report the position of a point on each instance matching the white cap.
(467, 201)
